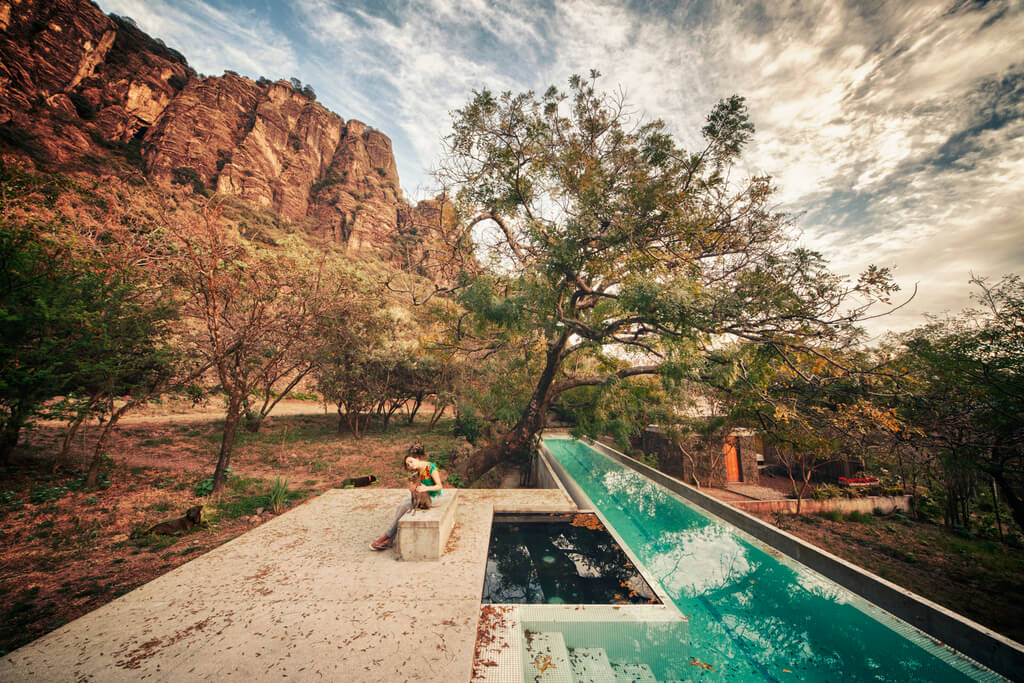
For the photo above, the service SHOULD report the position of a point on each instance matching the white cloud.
(211, 39)
(853, 104)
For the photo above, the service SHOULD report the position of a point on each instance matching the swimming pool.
(753, 613)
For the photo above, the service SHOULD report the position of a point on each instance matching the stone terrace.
(301, 597)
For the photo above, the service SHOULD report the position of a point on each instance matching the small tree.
(252, 307)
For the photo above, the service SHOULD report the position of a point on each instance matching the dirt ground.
(982, 579)
(65, 551)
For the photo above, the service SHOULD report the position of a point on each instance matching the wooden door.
(732, 459)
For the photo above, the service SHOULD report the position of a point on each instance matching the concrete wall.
(971, 638)
(867, 504)
(543, 477)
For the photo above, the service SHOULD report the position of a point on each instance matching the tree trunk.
(227, 443)
(1011, 498)
(435, 417)
(101, 444)
(995, 507)
(532, 421)
(68, 436)
(9, 438)
(418, 401)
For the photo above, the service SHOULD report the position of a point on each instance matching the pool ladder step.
(626, 672)
(591, 665)
(548, 660)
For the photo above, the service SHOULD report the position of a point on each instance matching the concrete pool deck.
(301, 597)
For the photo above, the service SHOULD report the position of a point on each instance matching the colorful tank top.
(427, 478)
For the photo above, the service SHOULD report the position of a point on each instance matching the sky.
(893, 130)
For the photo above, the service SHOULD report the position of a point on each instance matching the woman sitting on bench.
(430, 481)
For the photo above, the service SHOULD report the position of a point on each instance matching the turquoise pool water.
(754, 615)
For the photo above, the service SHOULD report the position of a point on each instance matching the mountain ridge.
(76, 82)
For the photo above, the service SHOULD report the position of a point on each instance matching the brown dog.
(193, 516)
(420, 499)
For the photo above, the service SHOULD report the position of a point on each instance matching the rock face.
(69, 74)
(75, 82)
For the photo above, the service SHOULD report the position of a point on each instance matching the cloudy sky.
(894, 130)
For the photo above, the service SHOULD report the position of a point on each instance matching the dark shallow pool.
(560, 559)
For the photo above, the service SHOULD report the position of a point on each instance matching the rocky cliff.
(76, 83)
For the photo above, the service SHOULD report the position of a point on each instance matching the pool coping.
(999, 653)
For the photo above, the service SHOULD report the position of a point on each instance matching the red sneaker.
(382, 543)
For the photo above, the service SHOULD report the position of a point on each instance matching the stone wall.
(868, 504)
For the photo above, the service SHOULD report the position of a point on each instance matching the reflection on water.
(559, 559)
(753, 615)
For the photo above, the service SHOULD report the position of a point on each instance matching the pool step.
(546, 658)
(591, 665)
(626, 672)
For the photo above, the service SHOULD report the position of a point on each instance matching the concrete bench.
(422, 534)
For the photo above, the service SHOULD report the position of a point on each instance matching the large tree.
(965, 394)
(596, 235)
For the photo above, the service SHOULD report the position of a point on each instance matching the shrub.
(827, 492)
(832, 515)
(278, 494)
(860, 517)
(205, 487)
(649, 459)
(469, 426)
(47, 494)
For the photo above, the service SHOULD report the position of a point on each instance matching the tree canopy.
(600, 238)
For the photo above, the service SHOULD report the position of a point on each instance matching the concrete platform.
(423, 534)
(301, 597)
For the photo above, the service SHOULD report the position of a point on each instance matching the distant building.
(729, 455)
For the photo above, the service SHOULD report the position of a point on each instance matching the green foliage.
(204, 487)
(44, 493)
(468, 425)
(827, 492)
(832, 515)
(860, 517)
(604, 251)
(456, 480)
(331, 178)
(278, 494)
(649, 459)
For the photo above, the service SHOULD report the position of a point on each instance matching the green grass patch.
(242, 505)
(860, 517)
(153, 542)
